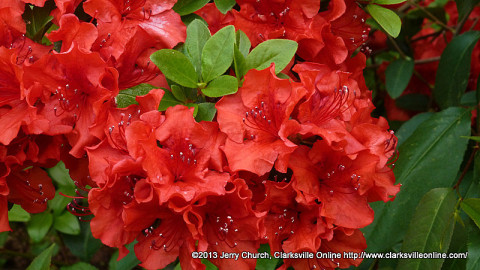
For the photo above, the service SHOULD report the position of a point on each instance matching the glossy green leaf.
(17, 214)
(224, 5)
(471, 206)
(126, 263)
(168, 100)
(79, 266)
(60, 175)
(388, 20)
(42, 261)
(58, 204)
(194, 106)
(397, 76)
(209, 265)
(127, 97)
(184, 7)
(221, 86)
(217, 54)
(454, 69)
(178, 93)
(239, 63)
(266, 264)
(206, 112)
(422, 166)
(176, 67)
(430, 229)
(457, 245)
(197, 35)
(38, 20)
(410, 126)
(39, 225)
(469, 99)
(67, 223)
(278, 51)
(82, 245)
(473, 259)
(242, 42)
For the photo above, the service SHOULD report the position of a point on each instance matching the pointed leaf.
(397, 76)
(82, 245)
(39, 225)
(242, 42)
(217, 55)
(206, 112)
(431, 228)
(224, 5)
(239, 63)
(472, 208)
(176, 67)
(67, 223)
(388, 20)
(473, 259)
(17, 214)
(178, 93)
(42, 261)
(454, 69)
(127, 97)
(410, 126)
(221, 86)
(422, 166)
(278, 51)
(266, 264)
(197, 35)
(184, 7)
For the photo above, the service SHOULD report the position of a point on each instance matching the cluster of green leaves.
(198, 70)
(438, 207)
(57, 229)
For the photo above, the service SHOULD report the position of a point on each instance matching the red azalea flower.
(178, 158)
(256, 121)
(231, 225)
(72, 30)
(74, 86)
(329, 177)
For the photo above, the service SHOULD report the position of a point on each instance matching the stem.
(402, 54)
(431, 16)
(427, 60)
(434, 34)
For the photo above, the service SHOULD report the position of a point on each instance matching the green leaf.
(221, 86)
(178, 93)
(197, 35)
(266, 264)
(397, 76)
(410, 126)
(38, 20)
(58, 204)
(39, 225)
(17, 214)
(454, 70)
(472, 208)
(239, 63)
(217, 54)
(60, 175)
(184, 7)
(422, 166)
(127, 97)
(278, 51)
(388, 2)
(224, 5)
(465, 7)
(206, 112)
(79, 266)
(431, 228)
(194, 106)
(473, 259)
(67, 223)
(242, 42)
(469, 99)
(82, 245)
(457, 245)
(388, 20)
(168, 100)
(42, 261)
(176, 67)
(126, 263)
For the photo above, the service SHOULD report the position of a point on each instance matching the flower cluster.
(292, 163)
